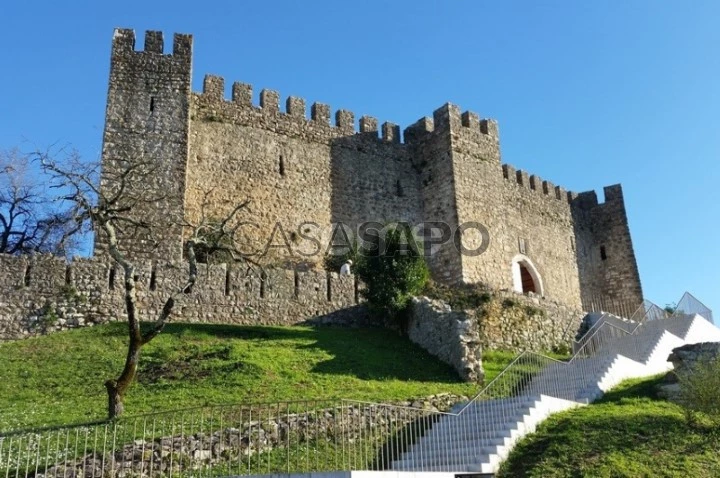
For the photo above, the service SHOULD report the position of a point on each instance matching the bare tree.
(30, 221)
(111, 214)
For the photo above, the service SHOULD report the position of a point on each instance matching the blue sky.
(587, 94)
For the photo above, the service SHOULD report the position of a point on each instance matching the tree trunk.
(115, 400)
(116, 388)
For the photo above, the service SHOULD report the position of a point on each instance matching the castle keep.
(203, 153)
(307, 173)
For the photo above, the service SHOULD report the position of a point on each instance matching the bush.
(333, 262)
(393, 271)
(700, 390)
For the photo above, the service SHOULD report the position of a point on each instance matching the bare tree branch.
(113, 215)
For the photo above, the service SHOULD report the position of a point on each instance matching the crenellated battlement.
(444, 118)
(222, 294)
(535, 184)
(240, 108)
(448, 116)
(124, 43)
(306, 162)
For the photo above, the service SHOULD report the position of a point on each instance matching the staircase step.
(481, 433)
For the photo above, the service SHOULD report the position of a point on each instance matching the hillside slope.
(630, 432)
(58, 379)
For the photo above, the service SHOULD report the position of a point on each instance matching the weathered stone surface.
(247, 440)
(44, 294)
(517, 322)
(303, 174)
(686, 357)
(507, 322)
(450, 336)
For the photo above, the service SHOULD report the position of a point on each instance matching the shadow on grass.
(367, 354)
(642, 388)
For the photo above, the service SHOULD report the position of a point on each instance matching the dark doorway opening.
(528, 284)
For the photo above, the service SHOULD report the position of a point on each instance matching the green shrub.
(333, 262)
(48, 316)
(393, 271)
(700, 390)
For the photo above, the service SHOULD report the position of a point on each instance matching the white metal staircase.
(477, 436)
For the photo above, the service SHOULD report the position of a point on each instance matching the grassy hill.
(630, 432)
(58, 379)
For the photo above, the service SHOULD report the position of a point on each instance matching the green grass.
(629, 433)
(58, 379)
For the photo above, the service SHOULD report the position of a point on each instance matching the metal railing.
(689, 306)
(619, 307)
(281, 437)
(330, 435)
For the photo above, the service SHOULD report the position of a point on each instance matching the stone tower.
(146, 126)
(303, 174)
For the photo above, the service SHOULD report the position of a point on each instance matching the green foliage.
(393, 272)
(530, 310)
(333, 262)
(71, 294)
(700, 391)
(509, 303)
(628, 433)
(48, 316)
(562, 350)
(58, 379)
(670, 308)
(460, 297)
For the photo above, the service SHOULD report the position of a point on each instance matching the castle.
(303, 175)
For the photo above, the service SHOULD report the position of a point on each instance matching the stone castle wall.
(43, 294)
(302, 175)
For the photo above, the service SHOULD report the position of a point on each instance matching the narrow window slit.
(28, 275)
(297, 285)
(329, 287)
(281, 166)
(68, 275)
(152, 104)
(153, 277)
(111, 279)
(227, 281)
(263, 278)
(357, 289)
(603, 253)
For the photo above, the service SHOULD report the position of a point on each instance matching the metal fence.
(281, 437)
(619, 307)
(329, 435)
(689, 306)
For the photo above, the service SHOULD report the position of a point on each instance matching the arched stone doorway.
(525, 276)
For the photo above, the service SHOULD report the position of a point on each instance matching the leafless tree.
(30, 221)
(111, 214)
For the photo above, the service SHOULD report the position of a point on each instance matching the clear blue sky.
(587, 93)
